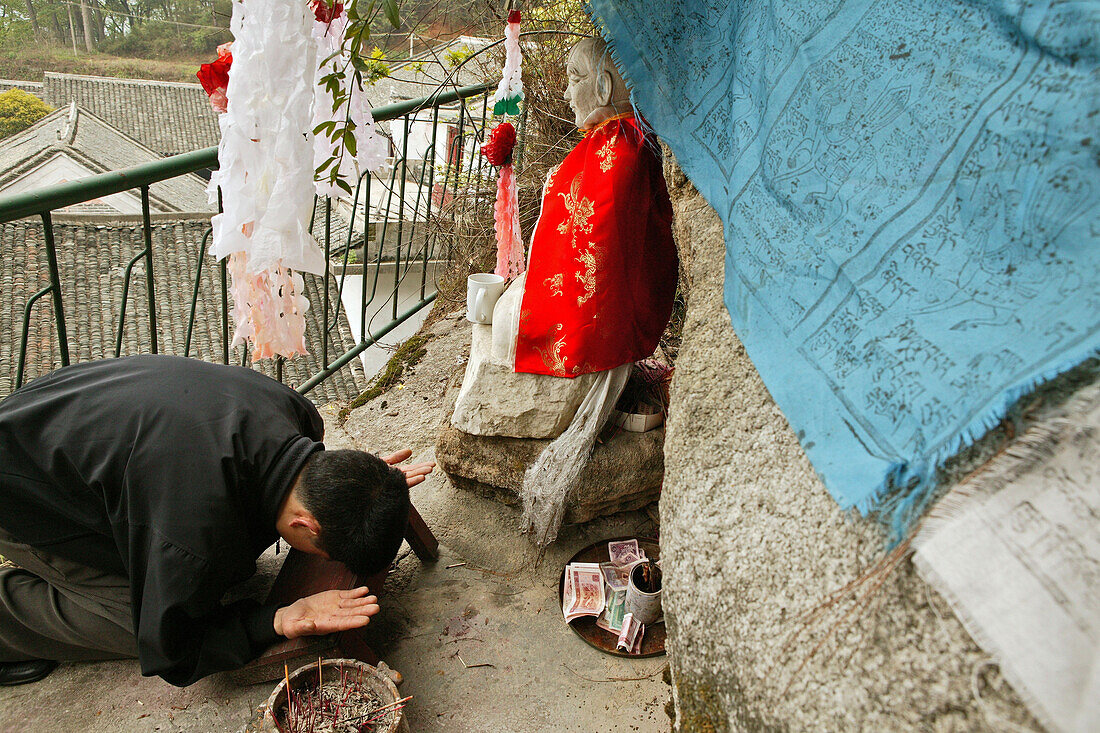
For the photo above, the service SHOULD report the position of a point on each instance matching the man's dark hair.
(362, 505)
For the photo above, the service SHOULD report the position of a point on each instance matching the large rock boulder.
(494, 400)
(780, 614)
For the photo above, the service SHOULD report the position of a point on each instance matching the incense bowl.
(379, 680)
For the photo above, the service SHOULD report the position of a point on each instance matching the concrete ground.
(498, 609)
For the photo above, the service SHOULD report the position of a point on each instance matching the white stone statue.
(494, 399)
(596, 297)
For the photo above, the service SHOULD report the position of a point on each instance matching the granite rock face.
(495, 401)
(781, 613)
(624, 473)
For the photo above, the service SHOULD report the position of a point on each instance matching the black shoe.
(20, 673)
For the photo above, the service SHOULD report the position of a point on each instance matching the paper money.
(614, 575)
(568, 597)
(630, 638)
(584, 593)
(612, 617)
(624, 553)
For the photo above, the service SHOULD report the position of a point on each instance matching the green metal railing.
(437, 189)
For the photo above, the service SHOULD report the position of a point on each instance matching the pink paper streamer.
(268, 308)
(510, 259)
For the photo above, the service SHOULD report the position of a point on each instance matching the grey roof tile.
(167, 117)
(92, 262)
(97, 147)
(34, 87)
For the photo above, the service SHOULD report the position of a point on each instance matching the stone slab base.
(625, 472)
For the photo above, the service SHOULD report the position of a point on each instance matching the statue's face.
(581, 91)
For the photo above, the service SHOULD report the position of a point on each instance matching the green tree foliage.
(143, 28)
(19, 110)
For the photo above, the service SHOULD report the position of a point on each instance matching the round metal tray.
(653, 643)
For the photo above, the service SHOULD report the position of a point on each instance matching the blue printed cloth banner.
(911, 200)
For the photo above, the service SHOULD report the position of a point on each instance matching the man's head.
(596, 90)
(347, 505)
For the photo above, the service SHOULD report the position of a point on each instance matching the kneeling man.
(135, 492)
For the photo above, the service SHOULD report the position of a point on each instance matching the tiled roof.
(95, 146)
(34, 87)
(167, 117)
(92, 260)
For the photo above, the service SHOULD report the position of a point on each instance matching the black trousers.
(53, 608)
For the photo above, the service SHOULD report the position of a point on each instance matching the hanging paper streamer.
(510, 261)
(510, 91)
(370, 149)
(268, 308)
(498, 151)
(266, 174)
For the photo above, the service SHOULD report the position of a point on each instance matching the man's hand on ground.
(326, 613)
(413, 474)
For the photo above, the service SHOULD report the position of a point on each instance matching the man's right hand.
(413, 474)
(326, 612)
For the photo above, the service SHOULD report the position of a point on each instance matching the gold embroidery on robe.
(580, 210)
(606, 154)
(584, 368)
(554, 284)
(552, 357)
(587, 278)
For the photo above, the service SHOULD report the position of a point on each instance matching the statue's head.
(596, 90)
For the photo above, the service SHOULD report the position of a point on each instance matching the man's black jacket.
(169, 471)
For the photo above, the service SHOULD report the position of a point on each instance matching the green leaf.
(344, 185)
(359, 64)
(349, 143)
(390, 8)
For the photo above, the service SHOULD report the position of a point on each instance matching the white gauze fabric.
(557, 470)
(266, 173)
(265, 154)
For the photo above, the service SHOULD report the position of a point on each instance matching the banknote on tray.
(584, 591)
(625, 552)
(599, 589)
(612, 617)
(630, 638)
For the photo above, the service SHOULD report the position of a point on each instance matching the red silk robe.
(602, 268)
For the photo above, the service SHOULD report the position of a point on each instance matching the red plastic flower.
(513, 16)
(323, 12)
(214, 77)
(498, 149)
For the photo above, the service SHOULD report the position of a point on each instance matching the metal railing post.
(324, 281)
(195, 294)
(149, 280)
(401, 208)
(55, 286)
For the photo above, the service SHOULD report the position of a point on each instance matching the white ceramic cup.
(646, 607)
(482, 291)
